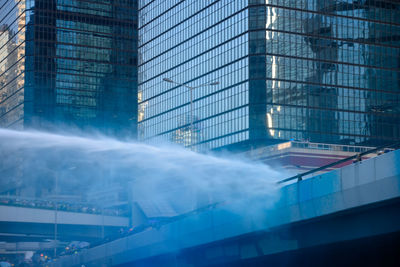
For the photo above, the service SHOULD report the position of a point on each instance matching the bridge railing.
(357, 157)
(330, 147)
(80, 207)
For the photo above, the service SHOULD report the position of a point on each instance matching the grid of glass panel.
(12, 62)
(317, 70)
(333, 70)
(80, 64)
(195, 43)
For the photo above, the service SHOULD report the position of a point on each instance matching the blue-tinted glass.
(69, 62)
(308, 70)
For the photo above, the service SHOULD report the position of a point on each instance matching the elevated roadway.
(357, 203)
(34, 224)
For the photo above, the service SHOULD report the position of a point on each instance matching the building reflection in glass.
(317, 70)
(74, 63)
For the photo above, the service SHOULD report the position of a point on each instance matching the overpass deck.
(36, 215)
(353, 202)
(23, 224)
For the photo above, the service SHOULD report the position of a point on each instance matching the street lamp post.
(191, 88)
(56, 178)
(55, 216)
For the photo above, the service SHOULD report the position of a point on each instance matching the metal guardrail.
(61, 205)
(331, 147)
(307, 145)
(357, 156)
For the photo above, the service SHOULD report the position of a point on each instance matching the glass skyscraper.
(317, 70)
(69, 62)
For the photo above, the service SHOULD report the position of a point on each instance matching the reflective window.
(70, 62)
(317, 70)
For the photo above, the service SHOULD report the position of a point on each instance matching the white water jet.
(165, 180)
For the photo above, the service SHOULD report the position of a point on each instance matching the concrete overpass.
(347, 211)
(22, 224)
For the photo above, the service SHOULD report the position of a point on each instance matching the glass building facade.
(317, 70)
(69, 62)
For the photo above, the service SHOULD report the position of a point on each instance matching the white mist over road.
(166, 180)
